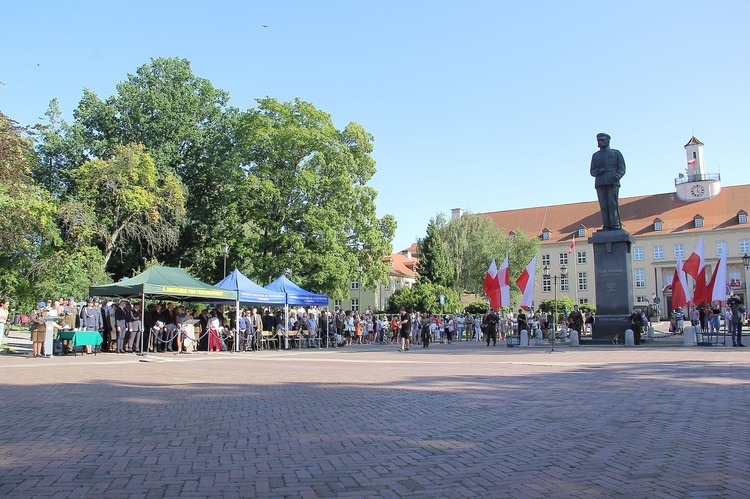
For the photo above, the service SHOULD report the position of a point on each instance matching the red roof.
(637, 213)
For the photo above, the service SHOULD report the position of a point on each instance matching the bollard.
(688, 337)
(651, 332)
(564, 334)
(524, 338)
(539, 340)
(574, 338)
(629, 338)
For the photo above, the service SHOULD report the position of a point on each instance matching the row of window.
(639, 253)
(679, 250)
(639, 276)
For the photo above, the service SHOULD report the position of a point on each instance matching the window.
(721, 246)
(355, 304)
(679, 250)
(742, 218)
(583, 284)
(563, 259)
(581, 232)
(546, 283)
(564, 283)
(657, 225)
(744, 246)
(388, 285)
(641, 299)
(658, 252)
(583, 301)
(355, 285)
(545, 235)
(640, 278)
(336, 304)
(581, 257)
(735, 280)
(637, 252)
(545, 260)
(698, 223)
(512, 236)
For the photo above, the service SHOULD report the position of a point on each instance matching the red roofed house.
(402, 274)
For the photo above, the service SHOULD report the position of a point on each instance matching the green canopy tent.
(165, 283)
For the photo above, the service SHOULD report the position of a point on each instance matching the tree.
(434, 265)
(306, 192)
(425, 298)
(123, 201)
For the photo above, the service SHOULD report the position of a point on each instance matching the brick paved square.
(368, 421)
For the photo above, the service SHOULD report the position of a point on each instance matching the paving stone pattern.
(367, 421)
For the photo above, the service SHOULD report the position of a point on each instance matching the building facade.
(402, 274)
(664, 226)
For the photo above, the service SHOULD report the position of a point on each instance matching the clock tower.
(695, 184)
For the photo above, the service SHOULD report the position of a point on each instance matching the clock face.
(697, 190)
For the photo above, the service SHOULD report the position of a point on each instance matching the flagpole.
(575, 269)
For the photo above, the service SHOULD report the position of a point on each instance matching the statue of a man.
(608, 167)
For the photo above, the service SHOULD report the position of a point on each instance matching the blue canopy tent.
(296, 295)
(248, 292)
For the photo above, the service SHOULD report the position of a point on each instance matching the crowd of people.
(167, 327)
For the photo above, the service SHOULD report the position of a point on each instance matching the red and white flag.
(695, 267)
(503, 280)
(491, 286)
(691, 162)
(572, 246)
(680, 290)
(526, 284)
(717, 288)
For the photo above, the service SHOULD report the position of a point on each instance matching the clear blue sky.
(483, 105)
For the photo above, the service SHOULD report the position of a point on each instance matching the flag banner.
(572, 246)
(491, 285)
(717, 288)
(503, 279)
(525, 283)
(695, 267)
(680, 293)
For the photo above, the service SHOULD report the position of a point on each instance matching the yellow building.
(402, 274)
(664, 227)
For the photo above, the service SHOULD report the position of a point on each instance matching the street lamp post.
(225, 249)
(746, 261)
(563, 273)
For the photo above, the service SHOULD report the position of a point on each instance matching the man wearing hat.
(91, 319)
(69, 318)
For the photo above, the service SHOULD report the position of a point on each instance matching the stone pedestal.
(614, 284)
(524, 338)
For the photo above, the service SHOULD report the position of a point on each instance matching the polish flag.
(717, 288)
(695, 267)
(572, 246)
(526, 284)
(680, 290)
(503, 280)
(691, 162)
(491, 286)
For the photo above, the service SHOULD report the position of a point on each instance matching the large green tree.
(124, 202)
(306, 193)
(185, 125)
(434, 264)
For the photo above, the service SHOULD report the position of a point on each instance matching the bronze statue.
(608, 167)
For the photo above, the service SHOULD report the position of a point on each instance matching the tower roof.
(694, 142)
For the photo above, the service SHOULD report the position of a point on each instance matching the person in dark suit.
(121, 324)
(608, 167)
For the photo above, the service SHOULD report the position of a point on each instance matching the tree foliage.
(123, 201)
(425, 297)
(307, 195)
(435, 265)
